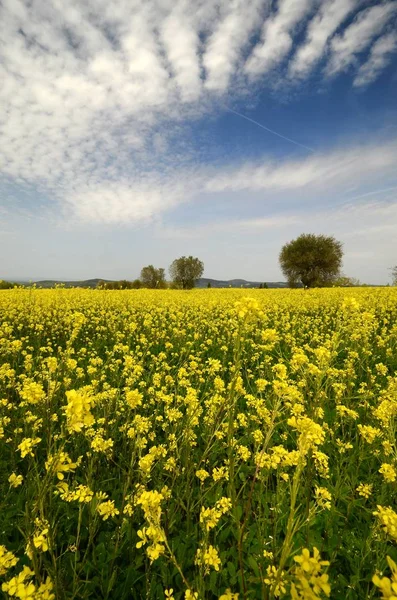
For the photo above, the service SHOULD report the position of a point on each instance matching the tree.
(185, 271)
(313, 260)
(6, 285)
(344, 281)
(153, 278)
(394, 275)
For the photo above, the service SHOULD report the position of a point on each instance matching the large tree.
(153, 278)
(313, 260)
(185, 271)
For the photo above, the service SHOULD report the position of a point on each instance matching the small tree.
(394, 275)
(153, 278)
(185, 271)
(313, 260)
(344, 281)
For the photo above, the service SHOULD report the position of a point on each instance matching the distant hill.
(202, 283)
(87, 283)
(237, 283)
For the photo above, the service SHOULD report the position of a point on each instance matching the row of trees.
(184, 272)
(309, 261)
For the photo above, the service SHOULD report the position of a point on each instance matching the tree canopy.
(313, 260)
(185, 271)
(153, 278)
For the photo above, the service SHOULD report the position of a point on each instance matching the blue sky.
(134, 132)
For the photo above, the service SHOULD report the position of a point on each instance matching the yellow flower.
(82, 494)
(219, 473)
(15, 480)
(27, 445)
(155, 551)
(61, 463)
(107, 509)
(228, 595)
(364, 489)
(208, 556)
(369, 433)
(189, 595)
(99, 444)
(17, 586)
(388, 520)
(387, 586)
(310, 564)
(311, 433)
(7, 560)
(309, 583)
(388, 472)
(202, 474)
(323, 497)
(276, 581)
(133, 398)
(32, 392)
(77, 411)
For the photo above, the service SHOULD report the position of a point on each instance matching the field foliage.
(203, 444)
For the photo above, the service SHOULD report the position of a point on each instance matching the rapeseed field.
(212, 444)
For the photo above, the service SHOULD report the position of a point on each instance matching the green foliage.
(6, 285)
(153, 278)
(185, 271)
(313, 260)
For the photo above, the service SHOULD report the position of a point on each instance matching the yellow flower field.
(211, 444)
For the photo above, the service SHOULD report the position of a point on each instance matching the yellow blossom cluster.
(153, 443)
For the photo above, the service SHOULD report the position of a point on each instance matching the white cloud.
(335, 168)
(330, 16)
(230, 36)
(181, 41)
(378, 59)
(358, 36)
(94, 94)
(230, 226)
(123, 202)
(276, 36)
